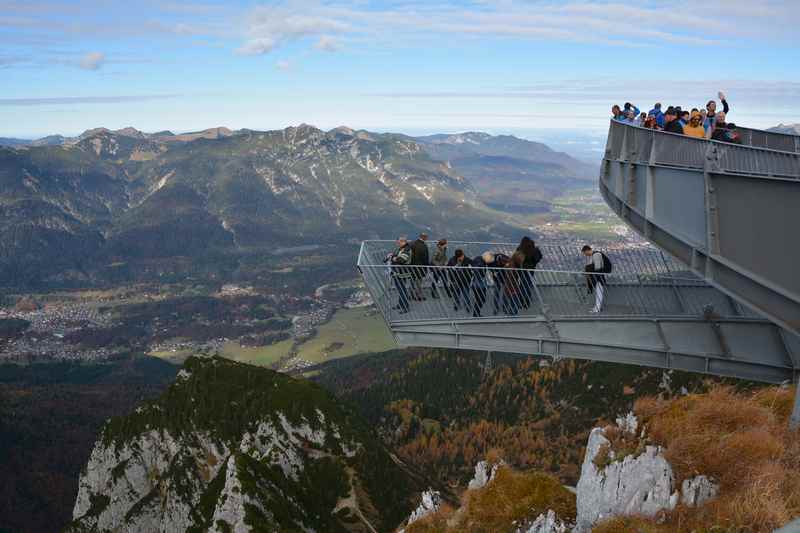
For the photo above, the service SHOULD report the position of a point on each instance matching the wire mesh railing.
(645, 283)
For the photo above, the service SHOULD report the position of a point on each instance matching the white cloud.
(92, 61)
(327, 43)
(257, 47)
(269, 27)
(283, 65)
(78, 100)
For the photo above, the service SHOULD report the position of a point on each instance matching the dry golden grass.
(622, 443)
(740, 439)
(510, 497)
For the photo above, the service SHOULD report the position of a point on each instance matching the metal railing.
(645, 283)
(769, 139)
(772, 154)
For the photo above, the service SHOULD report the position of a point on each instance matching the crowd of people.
(703, 123)
(506, 281)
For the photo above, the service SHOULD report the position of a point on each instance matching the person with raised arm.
(711, 113)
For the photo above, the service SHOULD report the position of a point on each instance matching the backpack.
(607, 266)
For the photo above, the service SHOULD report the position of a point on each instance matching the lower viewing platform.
(654, 312)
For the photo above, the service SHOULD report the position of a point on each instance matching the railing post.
(712, 221)
(794, 420)
(546, 313)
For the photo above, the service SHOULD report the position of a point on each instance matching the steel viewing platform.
(722, 298)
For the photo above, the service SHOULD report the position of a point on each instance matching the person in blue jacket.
(658, 114)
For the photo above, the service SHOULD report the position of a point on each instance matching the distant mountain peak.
(92, 132)
(130, 131)
(343, 130)
(792, 129)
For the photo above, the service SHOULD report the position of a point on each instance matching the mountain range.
(108, 197)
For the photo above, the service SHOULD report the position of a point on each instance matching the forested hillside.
(443, 413)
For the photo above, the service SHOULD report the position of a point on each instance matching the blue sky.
(414, 66)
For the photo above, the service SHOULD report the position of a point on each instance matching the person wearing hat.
(439, 261)
(695, 126)
(671, 122)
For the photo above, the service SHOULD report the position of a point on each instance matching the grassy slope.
(741, 440)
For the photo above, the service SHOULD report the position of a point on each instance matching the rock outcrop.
(230, 447)
(546, 523)
(698, 490)
(431, 501)
(484, 473)
(641, 485)
(635, 485)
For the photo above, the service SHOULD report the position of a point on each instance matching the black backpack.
(607, 266)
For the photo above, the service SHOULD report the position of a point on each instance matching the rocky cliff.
(230, 447)
(639, 482)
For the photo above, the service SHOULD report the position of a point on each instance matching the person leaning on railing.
(439, 260)
(400, 260)
(658, 116)
(532, 255)
(420, 261)
(497, 262)
(671, 122)
(479, 283)
(513, 287)
(725, 131)
(460, 278)
(695, 126)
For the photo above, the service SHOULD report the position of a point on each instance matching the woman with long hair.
(531, 257)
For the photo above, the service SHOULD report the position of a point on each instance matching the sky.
(415, 66)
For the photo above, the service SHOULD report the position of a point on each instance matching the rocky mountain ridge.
(119, 196)
(231, 447)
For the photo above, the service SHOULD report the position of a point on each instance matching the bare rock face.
(698, 490)
(636, 485)
(643, 485)
(234, 448)
(431, 501)
(484, 473)
(546, 523)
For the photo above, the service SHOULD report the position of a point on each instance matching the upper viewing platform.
(729, 212)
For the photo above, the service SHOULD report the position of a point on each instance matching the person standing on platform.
(420, 260)
(400, 259)
(597, 269)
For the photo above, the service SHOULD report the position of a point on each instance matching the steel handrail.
(707, 140)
